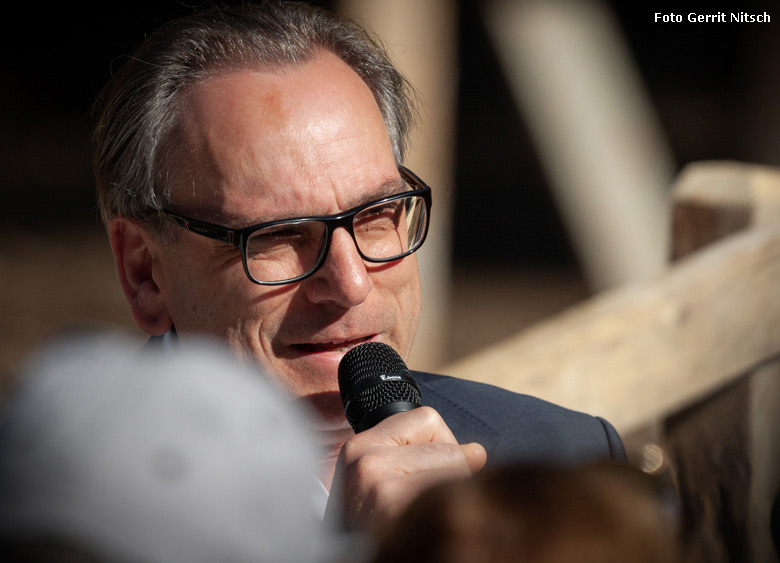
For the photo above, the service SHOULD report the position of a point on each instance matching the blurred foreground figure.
(600, 513)
(107, 454)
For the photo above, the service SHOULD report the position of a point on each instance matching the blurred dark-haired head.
(600, 513)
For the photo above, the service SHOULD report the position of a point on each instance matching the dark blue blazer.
(518, 428)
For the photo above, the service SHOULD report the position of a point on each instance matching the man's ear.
(134, 252)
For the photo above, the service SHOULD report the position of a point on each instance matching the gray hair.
(138, 111)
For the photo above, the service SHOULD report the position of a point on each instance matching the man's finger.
(418, 425)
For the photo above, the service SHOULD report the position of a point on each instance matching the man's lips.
(332, 346)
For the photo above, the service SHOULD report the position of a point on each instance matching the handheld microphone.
(375, 383)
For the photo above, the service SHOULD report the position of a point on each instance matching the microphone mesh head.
(363, 365)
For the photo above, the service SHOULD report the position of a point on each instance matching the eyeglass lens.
(383, 232)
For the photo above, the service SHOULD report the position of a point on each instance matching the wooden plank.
(714, 199)
(708, 446)
(408, 29)
(694, 350)
(725, 449)
(594, 129)
(725, 456)
(648, 350)
(764, 453)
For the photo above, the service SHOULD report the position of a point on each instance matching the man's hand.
(380, 470)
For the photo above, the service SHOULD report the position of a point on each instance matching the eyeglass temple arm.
(202, 228)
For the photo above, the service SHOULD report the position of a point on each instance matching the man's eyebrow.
(391, 187)
(387, 189)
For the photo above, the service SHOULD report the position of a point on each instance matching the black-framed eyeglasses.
(290, 250)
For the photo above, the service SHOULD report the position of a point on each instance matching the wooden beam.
(712, 200)
(641, 352)
(422, 39)
(594, 129)
(725, 449)
(691, 357)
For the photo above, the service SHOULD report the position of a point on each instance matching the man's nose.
(343, 278)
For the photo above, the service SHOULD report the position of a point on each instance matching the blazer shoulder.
(518, 427)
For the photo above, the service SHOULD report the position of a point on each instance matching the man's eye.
(279, 234)
(380, 213)
(280, 239)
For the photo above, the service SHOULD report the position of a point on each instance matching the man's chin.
(328, 410)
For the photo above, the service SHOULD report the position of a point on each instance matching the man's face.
(273, 144)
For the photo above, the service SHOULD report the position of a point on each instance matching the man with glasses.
(249, 171)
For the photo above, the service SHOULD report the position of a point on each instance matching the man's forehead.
(260, 147)
(277, 89)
